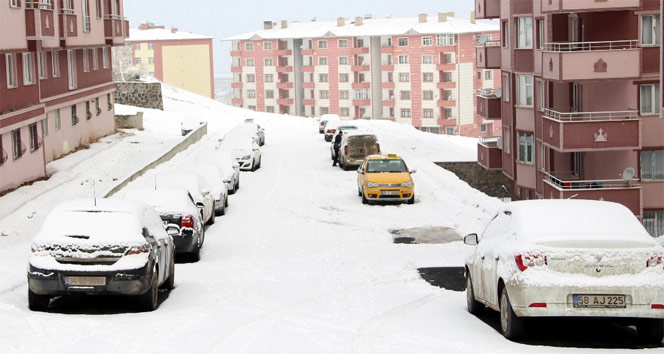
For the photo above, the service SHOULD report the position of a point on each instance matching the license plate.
(599, 301)
(389, 192)
(87, 281)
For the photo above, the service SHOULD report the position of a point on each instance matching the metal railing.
(491, 43)
(490, 93)
(491, 141)
(564, 115)
(112, 17)
(41, 4)
(575, 184)
(590, 46)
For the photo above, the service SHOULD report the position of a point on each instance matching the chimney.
(267, 25)
(472, 17)
(422, 18)
(174, 30)
(449, 14)
(358, 21)
(442, 17)
(284, 24)
(341, 21)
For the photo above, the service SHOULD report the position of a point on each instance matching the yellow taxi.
(385, 178)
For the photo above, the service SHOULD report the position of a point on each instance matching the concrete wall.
(129, 121)
(139, 94)
(488, 182)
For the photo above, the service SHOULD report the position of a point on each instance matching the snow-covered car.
(355, 146)
(194, 183)
(230, 168)
(559, 258)
(260, 132)
(101, 247)
(342, 128)
(218, 184)
(178, 212)
(323, 121)
(243, 149)
(331, 128)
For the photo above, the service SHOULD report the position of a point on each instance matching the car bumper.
(123, 282)
(559, 301)
(388, 194)
(186, 241)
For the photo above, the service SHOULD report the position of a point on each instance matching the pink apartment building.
(418, 70)
(581, 101)
(55, 80)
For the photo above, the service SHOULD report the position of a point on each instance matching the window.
(150, 46)
(447, 58)
(525, 90)
(506, 88)
(150, 61)
(343, 77)
(324, 94)
(269, 94)
(653, 221)
(650, 30)
(427, 95)
(488, 75)
(362, 94)
(447, 76)
(99, 9)
(507, 140)
(650, 99)
(445, 39)
(404, 95)
(542, 157)
(405, 113)
(526, 148)
(343, 43)
(41, 61)
(404, 77)
(390, 77)
(44, 124)
(322, 60)
(86, 15)
(34, 137)
(322, 78)
(18, 147)
(251, 93)
(74, 116)
(427, 59)
(427, 41)
(449, 113)
(95, 59)
(251, 78)
(13, 3)
(479, 75)
(28, 69)
(97, 108)
(268, 61)
(104, 59)
(11, 70)
(137, 46)
(88, 112)
(390, 112)
(343, 60)
(58, 122)
(109, 102)
(269, 109)
(542, 95)
(652, 164)
(249, 62)
(344, 111)
(403, 59)
(427, 113)
(324, 110)
(427, 77)
(267, 45)
(344, 95)
(402, 42)
(269, 78)
(506, 34)
(55, 64)
(540, 34)
(248, 46)
(322, 44)
(483, 128)
(525, 33)
(86, 61)
(447, 95)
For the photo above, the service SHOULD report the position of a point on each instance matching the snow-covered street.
(298, 265)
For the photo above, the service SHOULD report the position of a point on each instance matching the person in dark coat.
(337, 145)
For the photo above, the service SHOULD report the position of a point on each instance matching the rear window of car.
(362, 139)
(386, 165)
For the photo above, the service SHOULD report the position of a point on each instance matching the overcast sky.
(223, 18)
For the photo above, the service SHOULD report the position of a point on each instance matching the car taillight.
(655, 260)
(37, 248)
(529, 259)
(139, 250)
(187, 221)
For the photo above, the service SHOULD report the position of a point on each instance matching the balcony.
(566, 131)
(486, 9)
(285, 85)
(488, 103)
(237, 101)
(307, 52)
(308, 69)
(388, 103)
(573, 61)
(39, 20)
(490, 153)
(446, 103)
(361, 50)
(386, 49)
(236, 69)
(68, 24)
(565, 6)
(488, 55)
(446, 85)
(284, 52)
(360, 85)
(284, 69)
(357, 68)
(309, 102)
(387, 67)
(236, 53)
(114, 29)
(387, 85)
(236, 85)
(562, 185)
(308, 85)
(361, 102)
(285, 101)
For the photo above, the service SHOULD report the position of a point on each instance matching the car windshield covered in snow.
(387, 165)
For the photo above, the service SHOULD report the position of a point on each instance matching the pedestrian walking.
(337, 145)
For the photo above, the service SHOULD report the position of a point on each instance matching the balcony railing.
(492, 141)
(565, 181)
(590, 46)
(490, 43)
(41, 5)
(489, 93)
(559, 115)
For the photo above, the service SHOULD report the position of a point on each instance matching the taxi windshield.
(386, 166)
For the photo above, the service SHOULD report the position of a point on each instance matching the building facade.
(581, 101)
(55, 81)
(419, 71)
(181, 59)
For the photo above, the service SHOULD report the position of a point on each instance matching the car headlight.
(246, 157)
(407, 184)
(372, 185)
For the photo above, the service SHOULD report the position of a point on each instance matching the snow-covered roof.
(369, 27)
(161, 34)
(165, 200)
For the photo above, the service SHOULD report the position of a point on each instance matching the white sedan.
(578, 258)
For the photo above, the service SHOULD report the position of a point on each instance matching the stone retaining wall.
(139, 94)
(488, 182)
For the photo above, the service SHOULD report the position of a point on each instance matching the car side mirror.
(471, 239)
(200, 205)
(227, 180)
(205, 192)
(413, 171)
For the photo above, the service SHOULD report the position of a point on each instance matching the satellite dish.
(628, 174)
(482, 39)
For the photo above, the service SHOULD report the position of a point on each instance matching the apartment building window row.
(251, 93)
(269, 78)
(35, 142)
(251, 78)
(249, 62)
(248, 46)
(361, 94)
(322, 60)
(445, 39)
(344, 95)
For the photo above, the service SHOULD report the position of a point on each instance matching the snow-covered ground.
(298, 264)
